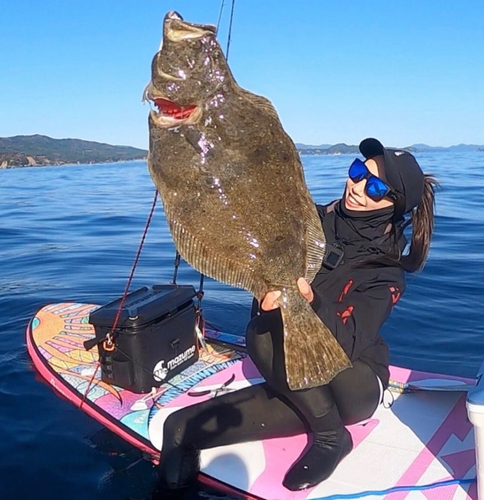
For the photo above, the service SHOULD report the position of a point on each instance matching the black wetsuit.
(353, 300)
(357, 297)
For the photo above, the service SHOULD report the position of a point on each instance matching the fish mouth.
(170, 109)
(171, 114)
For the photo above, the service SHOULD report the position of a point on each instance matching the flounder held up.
(233, 190)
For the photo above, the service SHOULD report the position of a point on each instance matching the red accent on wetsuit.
(345, 314)
(395, 294)
(346, 289)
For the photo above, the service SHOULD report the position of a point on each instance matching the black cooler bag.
(155, 336)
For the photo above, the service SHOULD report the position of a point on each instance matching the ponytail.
(422, 220)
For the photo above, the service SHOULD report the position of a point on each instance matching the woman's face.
(355, 197)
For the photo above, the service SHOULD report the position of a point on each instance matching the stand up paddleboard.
(419, 447)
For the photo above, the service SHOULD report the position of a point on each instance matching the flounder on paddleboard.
(234, 192)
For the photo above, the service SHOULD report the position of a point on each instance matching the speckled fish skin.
(234, 193)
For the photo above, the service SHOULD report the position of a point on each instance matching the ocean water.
(71, 233)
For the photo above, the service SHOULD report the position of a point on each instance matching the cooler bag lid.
(143, 306)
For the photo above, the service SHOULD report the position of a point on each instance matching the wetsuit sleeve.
(357, 315)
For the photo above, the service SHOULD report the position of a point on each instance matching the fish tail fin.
(312, 354)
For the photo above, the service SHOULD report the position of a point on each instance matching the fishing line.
(135, 263)
(200, 292)
(110, 335)
(230, 28)
(220, 14)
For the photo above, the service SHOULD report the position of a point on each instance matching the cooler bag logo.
(160, 372)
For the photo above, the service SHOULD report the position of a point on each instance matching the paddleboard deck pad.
(418, 445)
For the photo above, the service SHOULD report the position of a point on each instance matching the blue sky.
(336, 70)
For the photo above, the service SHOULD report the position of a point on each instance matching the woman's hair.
(422, 221)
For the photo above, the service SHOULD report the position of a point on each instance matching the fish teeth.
(163, 120)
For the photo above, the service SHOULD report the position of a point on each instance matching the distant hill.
(458, 147)
(325, 149)
(342, 148)
(39, 150)
(423, 147)
(309, 146)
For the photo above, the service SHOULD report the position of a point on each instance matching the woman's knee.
(174, 429)
(356, 392)
(259, 327)
(259, 341)
(265, 348)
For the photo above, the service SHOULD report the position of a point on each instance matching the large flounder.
(233, 190)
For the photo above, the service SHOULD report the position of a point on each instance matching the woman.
(360, 281)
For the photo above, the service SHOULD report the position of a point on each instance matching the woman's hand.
(305, 289)
(269, 302)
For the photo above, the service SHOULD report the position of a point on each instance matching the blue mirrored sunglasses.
(375, 188)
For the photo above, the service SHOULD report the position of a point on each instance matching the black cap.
(401, 169)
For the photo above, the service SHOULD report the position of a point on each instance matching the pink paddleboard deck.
(423, 438)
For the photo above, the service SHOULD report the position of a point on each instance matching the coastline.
(70, 164)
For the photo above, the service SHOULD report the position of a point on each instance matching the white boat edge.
(475, 412)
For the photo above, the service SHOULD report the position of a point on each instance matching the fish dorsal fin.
(316, 242)
(200, 256)
(261, 102)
